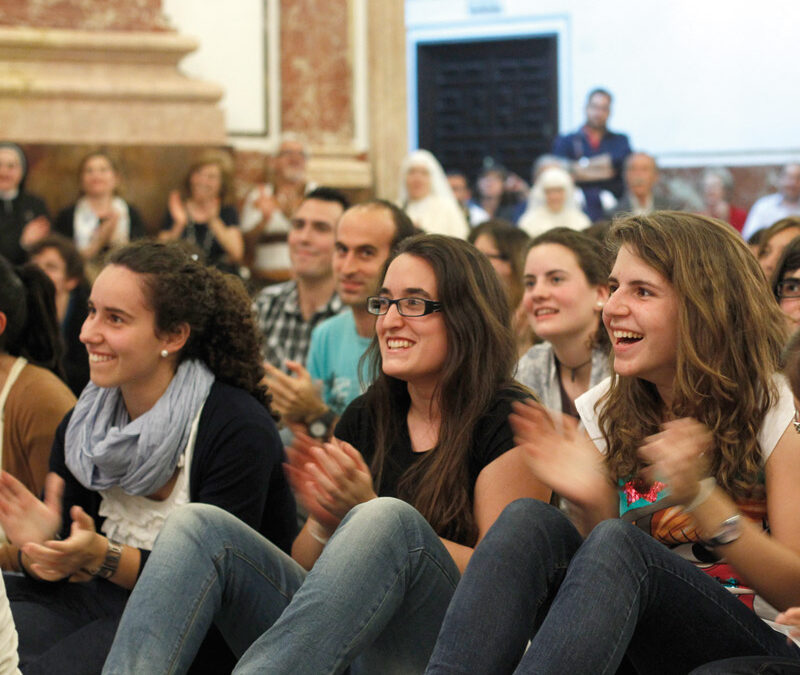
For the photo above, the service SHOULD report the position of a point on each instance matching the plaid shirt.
(286, 333)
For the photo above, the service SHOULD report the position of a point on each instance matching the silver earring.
(164, 353)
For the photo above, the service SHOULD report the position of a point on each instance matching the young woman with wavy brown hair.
(174, 413)
(683, 489)
(371, 576)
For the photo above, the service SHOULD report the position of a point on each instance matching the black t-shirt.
(492, 437)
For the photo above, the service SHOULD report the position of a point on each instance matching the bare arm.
(501, 482)
(567, 461)
(768, 563)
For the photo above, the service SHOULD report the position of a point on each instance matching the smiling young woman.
(174, 414)
(566, 287)
(430, 436)
(684, 486)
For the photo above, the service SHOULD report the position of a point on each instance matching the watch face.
(318, 428)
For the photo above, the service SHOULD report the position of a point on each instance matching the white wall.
(695, 82)
(233, 53)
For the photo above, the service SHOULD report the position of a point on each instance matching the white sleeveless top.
(135, 520)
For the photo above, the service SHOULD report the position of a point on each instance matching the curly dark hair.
(216, 307)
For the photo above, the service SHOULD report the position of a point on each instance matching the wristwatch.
(729, 531)
(111, 562)
(319, 427)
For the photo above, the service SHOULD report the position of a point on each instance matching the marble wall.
(316, 70)
(142, 15)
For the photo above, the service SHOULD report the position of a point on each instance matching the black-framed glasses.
(796, 421)
(789, 288)
(379, 305)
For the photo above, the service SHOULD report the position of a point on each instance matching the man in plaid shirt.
(287, 312)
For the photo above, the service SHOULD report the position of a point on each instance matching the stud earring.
(164, 353)
(599, 304)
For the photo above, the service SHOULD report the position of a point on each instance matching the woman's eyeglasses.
(378, 305)
(789, 288)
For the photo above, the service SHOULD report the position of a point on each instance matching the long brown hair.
(730, 335)
(481, 356)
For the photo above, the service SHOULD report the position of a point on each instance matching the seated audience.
(459, 184)
(641, 177)
(316, 397)
(426, 196)
(501, 194)
(434, 435)
(174, 414)
(552, 204)
(717, 194)
(23, 216)
(772, 242)
(774, 207)
(268, 208)
(58, 257)
(566, 287)
(33, 400)
(286, 313)
(100, 219)
(505, 246)
(683, 489)
(200, 213)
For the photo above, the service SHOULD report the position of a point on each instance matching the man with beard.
(597, 156)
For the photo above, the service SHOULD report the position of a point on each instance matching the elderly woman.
(552, 204)
(427, 198)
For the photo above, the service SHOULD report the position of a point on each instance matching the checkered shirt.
(286, 333)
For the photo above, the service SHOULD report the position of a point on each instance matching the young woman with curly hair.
(174, 413)
(685, 485)
(371, 576)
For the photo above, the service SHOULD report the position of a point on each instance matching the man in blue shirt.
(317, 395)
(597, 156)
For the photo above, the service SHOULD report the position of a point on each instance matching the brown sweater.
(36, 404)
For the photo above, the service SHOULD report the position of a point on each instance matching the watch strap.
(110, 563)
(729, 531)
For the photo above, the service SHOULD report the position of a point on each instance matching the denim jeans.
(375, 598)
(64, 627)
(586, 605)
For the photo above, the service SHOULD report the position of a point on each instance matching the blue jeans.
(585, 605)
(375, 598)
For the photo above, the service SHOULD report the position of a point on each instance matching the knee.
(191, 525)
(533, 521)
(385, 519)
(612, 537)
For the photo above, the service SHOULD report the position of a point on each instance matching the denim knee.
(191, 524)
(384, 515)
(530, 521)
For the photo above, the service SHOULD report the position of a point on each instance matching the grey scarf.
(104, 448)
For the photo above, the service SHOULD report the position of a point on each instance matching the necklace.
(571, 369)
